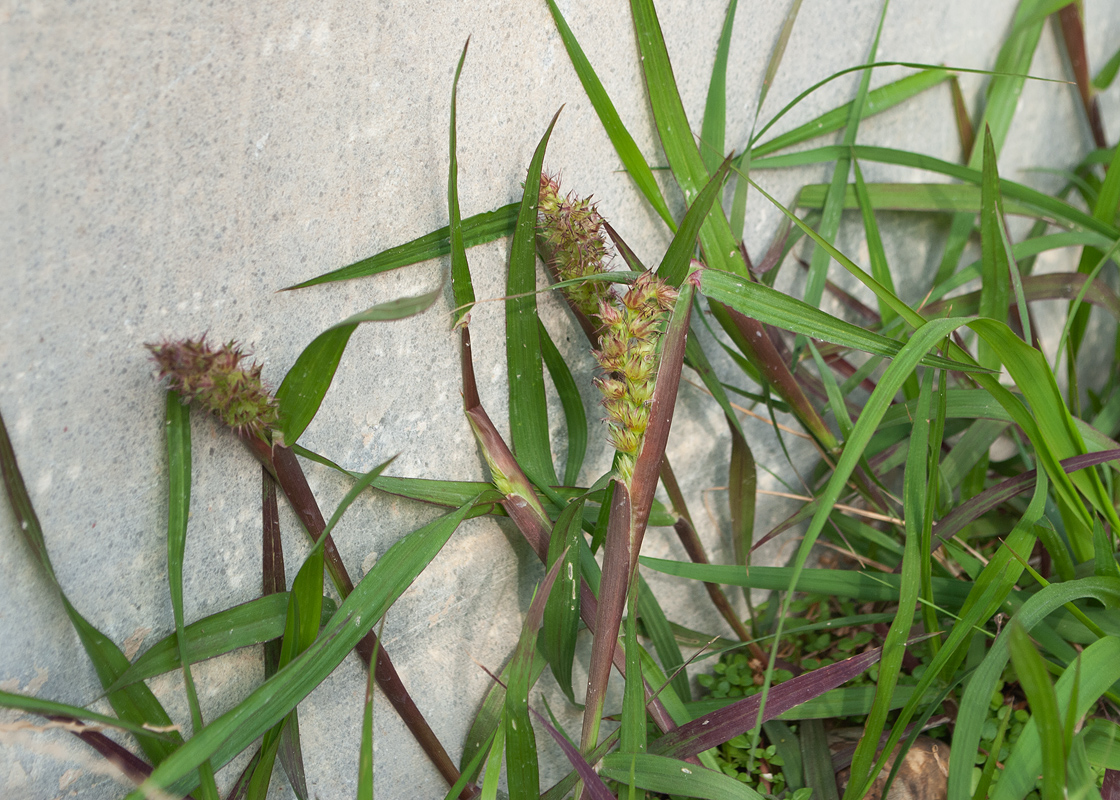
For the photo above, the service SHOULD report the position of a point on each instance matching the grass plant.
(978, 589)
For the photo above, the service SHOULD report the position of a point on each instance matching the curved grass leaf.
(677, 261)
(974, 702)
(306, 383)
(1107, 73)
(232, 732)
(478, 229)
(716, 238)
(1049, 286)
(1045, 205)
(1076, 692)
(592, 783)
(833, 206)
(864, 586)
(134, 704)
(713, 129)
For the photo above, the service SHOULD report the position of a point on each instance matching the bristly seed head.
(570, 232)
(215, 377)
(628, 340)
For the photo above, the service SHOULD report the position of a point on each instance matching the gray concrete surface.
(168, 166)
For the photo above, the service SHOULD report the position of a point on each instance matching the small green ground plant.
(978, 590)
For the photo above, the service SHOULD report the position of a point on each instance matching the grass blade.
(461, 286)
(632, 732)
(489, 716)
(688, 168)
(561, 615)
(713, 130)
(1077, 691)
(966, 736)
(592, 783)
(522, 769)
(479, 229)
(877, 255)
(819, 774)
(877, 101)
(177, 425)
(864, 586)
(628, 152)
(1032, 675)
(575, 415)
(834, 202)
(772, 307)
(49, 708)
(268, 704)
(365, 754)
(528, 411)
(776, 55)
(715, 728)
(894, 646)
(677, 261)
(670, 776)
(254, 622)
(1049, 207)
(995, 279)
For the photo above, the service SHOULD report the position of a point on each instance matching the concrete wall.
(168, 166)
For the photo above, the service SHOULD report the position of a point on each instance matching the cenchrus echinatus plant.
(975, 589)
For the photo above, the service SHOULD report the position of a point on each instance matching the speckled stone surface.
(168, 166)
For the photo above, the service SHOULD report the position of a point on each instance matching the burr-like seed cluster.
(215, 377)
(571, 234)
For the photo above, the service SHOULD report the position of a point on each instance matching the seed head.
(214, 376)
(570, 232)
(628, 340)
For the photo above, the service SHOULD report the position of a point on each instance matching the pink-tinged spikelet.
(628, 341)
(215, 377)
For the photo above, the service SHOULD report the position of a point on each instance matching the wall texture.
(168, 166)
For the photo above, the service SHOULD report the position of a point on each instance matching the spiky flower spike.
(629, 339)
(215, 377)
(570, 231)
